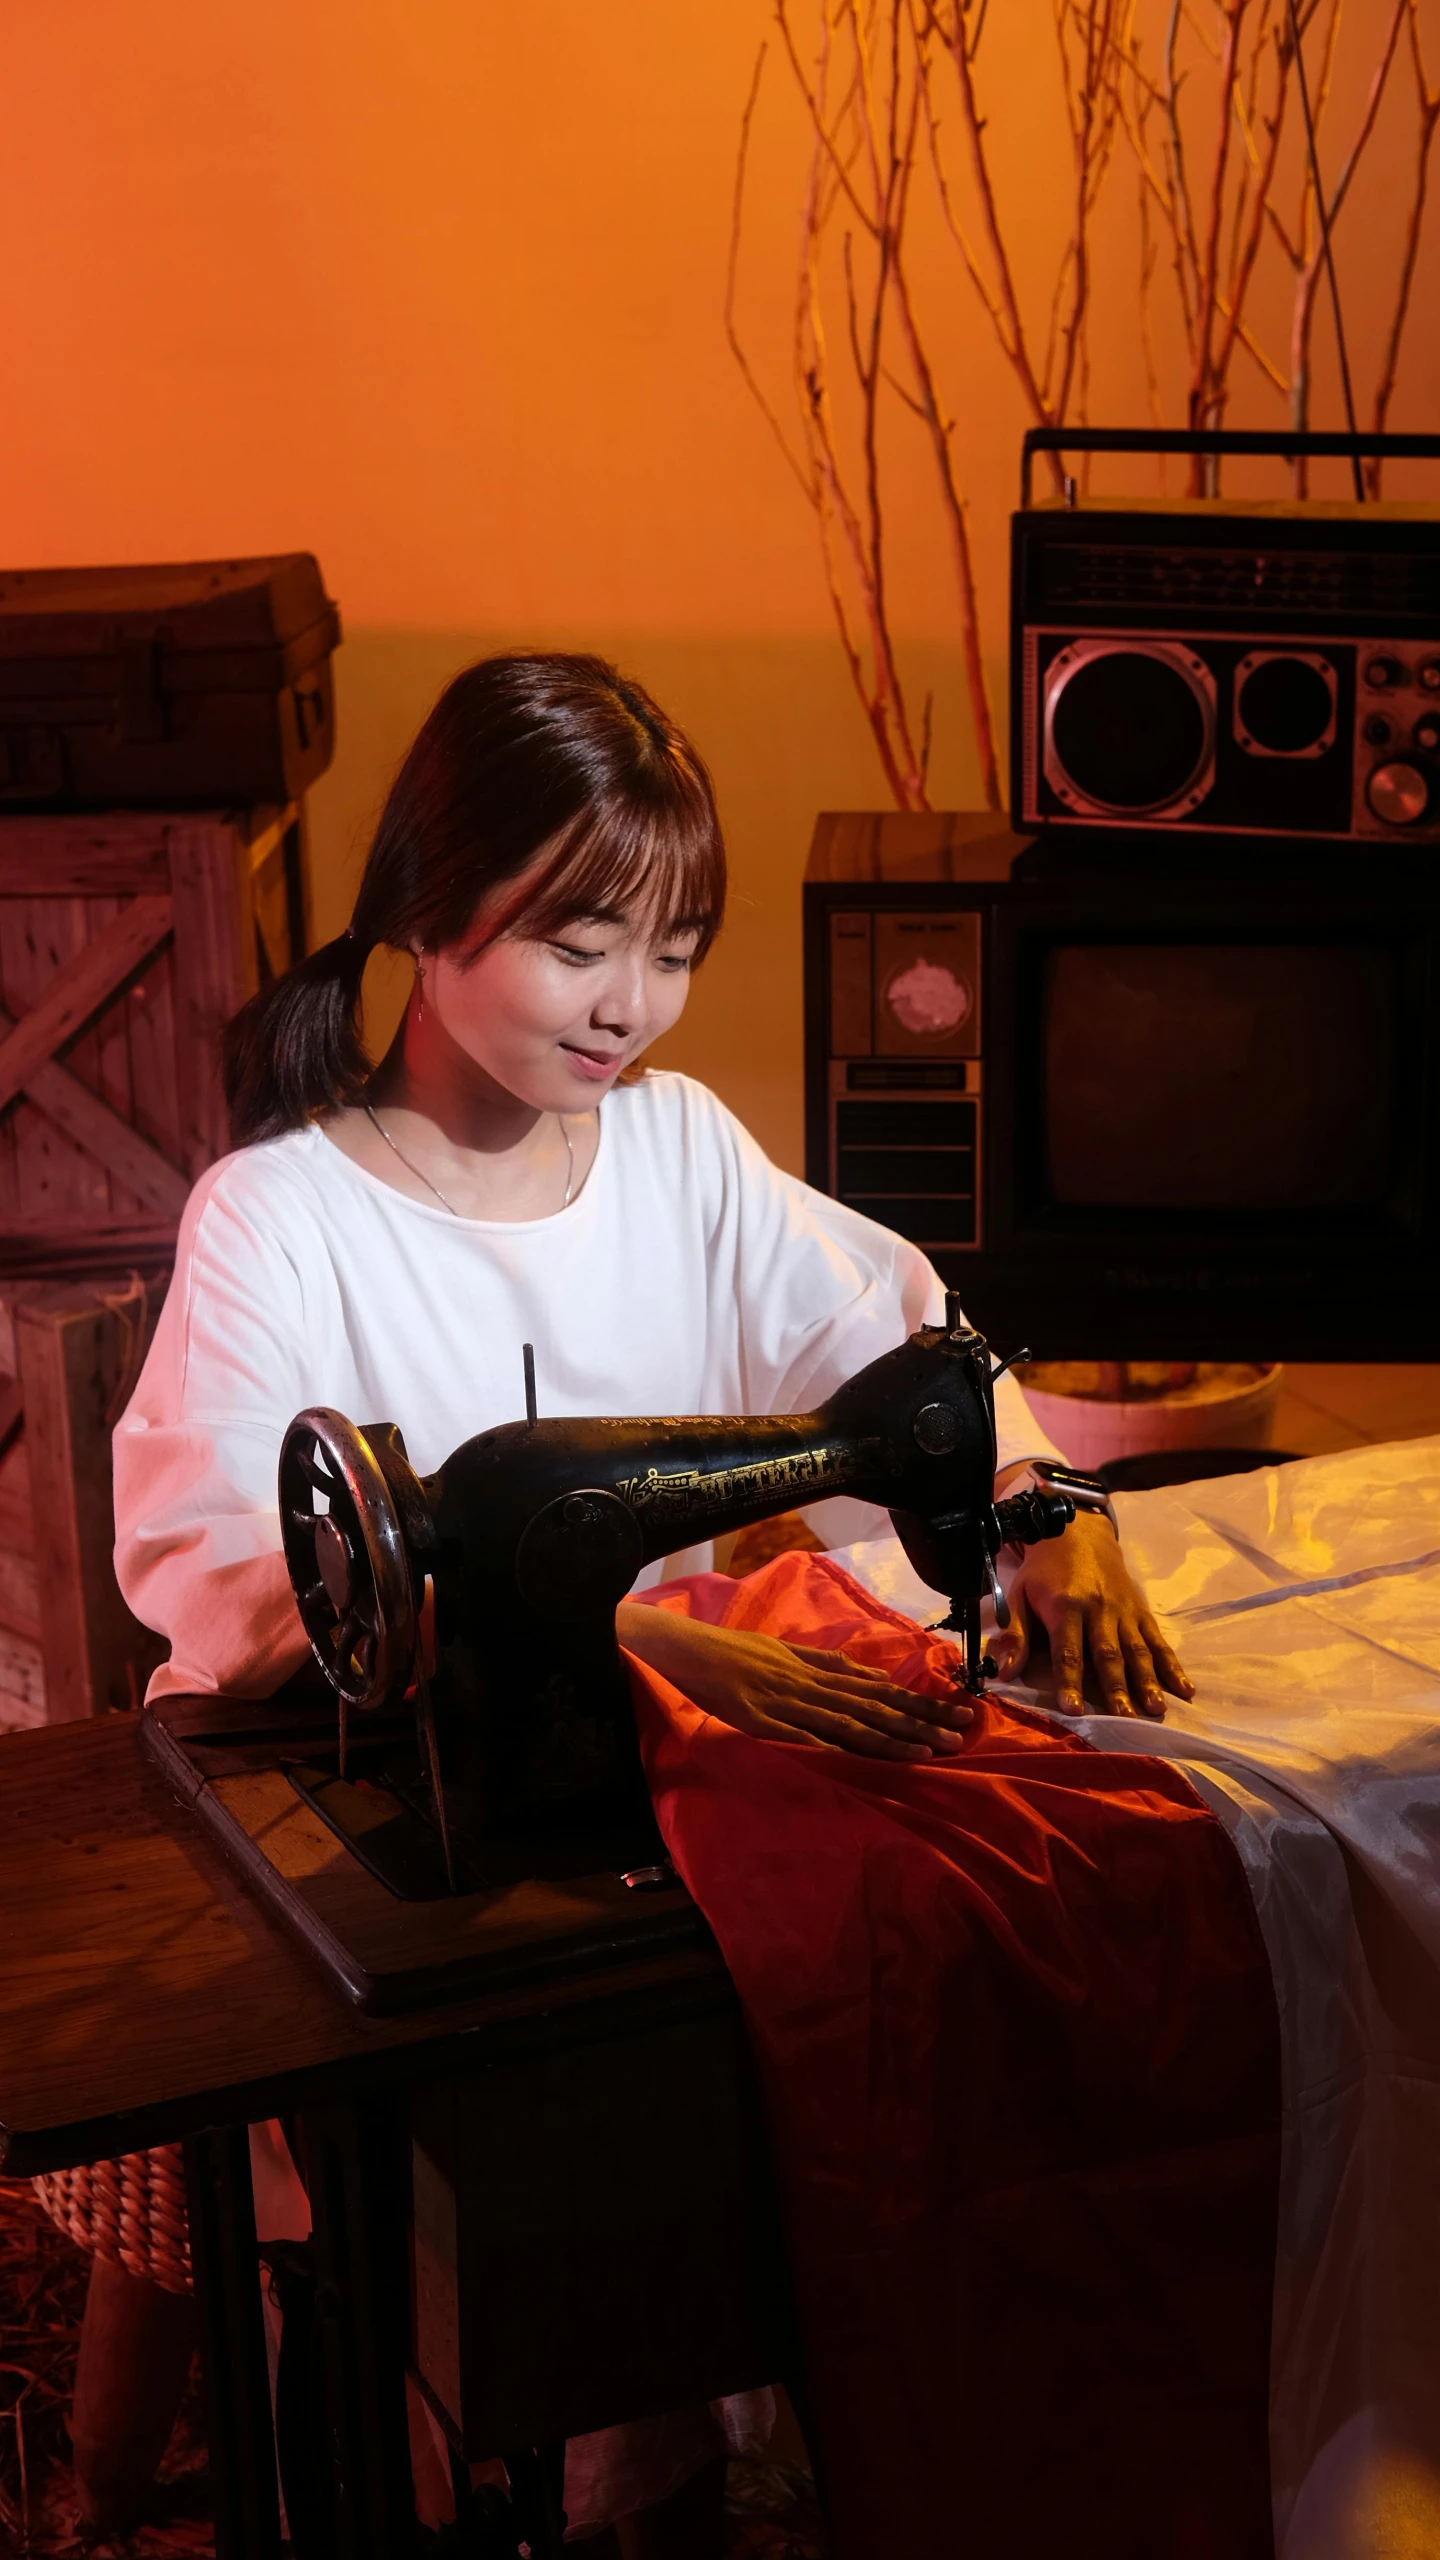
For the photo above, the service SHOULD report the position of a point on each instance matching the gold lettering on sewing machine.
(696, 1493)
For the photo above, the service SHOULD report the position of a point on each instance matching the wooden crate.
(126, 942)
(70, 1353)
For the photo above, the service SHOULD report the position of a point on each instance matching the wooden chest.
(126, 942)
(175, 684)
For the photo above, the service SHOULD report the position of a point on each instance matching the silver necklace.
(435, 1187)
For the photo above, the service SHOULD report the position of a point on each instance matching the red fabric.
(1016, 2032)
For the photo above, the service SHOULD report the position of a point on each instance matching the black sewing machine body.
(554, 1520)
(510, 1767)
(530, 1535)
(537, 1531)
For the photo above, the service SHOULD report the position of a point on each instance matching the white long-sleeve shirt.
(690, 1276)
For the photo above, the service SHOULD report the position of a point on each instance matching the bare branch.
(1198, 93)
(957, 233)
(732, 277)
(1203, 387)
(954, 508)
(1148, 257)
(1185, 223)
(1250, 249)
(1014, 339)
(852, 528)
(1429, 118)
(817, 117)
(1243, 337)
(1092, 139)
(1304, 311)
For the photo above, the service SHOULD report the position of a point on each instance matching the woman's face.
(554, 1022)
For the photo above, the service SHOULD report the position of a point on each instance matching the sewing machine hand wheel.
(346, 1552)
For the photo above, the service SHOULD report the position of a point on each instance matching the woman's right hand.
(791, 1693)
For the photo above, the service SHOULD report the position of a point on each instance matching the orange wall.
(433, 288)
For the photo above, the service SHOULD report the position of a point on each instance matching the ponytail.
(295, 1049)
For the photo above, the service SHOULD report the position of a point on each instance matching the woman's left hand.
(1079, 1590)
(791, 1692)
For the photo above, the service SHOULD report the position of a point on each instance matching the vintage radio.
(1126, 1106)
(1264, 670)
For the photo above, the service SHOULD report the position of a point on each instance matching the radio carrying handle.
(1222, 440)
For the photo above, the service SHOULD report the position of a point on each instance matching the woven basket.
(131, 2209)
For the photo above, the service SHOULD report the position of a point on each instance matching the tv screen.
(1245, 1077)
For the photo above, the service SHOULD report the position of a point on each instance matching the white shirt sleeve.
(821, 1292)
(283, 1298)
(197, 1548)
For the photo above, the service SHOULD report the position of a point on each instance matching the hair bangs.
(662, 864)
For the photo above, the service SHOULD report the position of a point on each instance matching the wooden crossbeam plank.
(118, 853)
(94, 1125)
(121, 1149)
(78, 991)
(34, 1252)
(99, 869)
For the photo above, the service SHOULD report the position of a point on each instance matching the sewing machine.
(467, 1782)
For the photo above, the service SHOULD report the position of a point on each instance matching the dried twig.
(1250, 62)
(1429, 101)
(1198, 93)
(732, 280)
(1303, 316)
(1248, 246)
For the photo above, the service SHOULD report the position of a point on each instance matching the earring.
(419, 988)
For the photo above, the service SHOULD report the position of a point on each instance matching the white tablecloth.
(1305, 1603)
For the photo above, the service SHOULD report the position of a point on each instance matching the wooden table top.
(143, 1994)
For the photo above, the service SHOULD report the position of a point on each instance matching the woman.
(383, 1242)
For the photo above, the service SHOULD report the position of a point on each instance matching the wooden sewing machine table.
(595, 2240)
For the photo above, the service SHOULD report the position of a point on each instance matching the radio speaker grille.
(1331, 585)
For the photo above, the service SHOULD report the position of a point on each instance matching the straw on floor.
(43, 2278)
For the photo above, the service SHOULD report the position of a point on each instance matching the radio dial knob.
(1381, 673)
(1427, 733)
(1430, 676)
(1399, 794)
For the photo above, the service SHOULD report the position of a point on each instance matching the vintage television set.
(1134, 1109)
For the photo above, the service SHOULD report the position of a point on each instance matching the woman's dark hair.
(520, 754)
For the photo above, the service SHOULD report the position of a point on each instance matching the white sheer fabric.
(1305, 1602)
